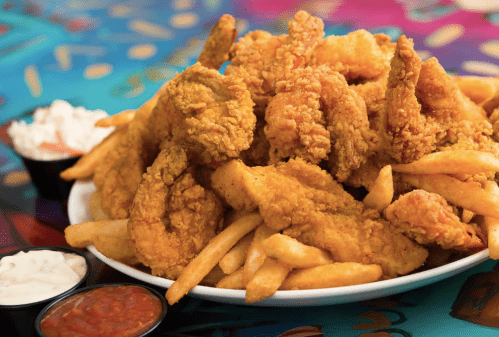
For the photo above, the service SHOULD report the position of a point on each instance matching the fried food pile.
(312, 162)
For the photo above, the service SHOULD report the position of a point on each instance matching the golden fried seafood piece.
(308, 204)
(216, 48)
(358, 54)
(408, 135)
(372, 92)
(305, 33)
(315, 112)
(251, 52)
(352, 139)
(296, 127)
(428, 219)
(216, 114)
(258, 152)
(441, 98)
(120, 172)
(172, 217)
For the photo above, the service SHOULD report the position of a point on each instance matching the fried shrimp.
(216, 114)
(172, 217)
(251, 52)
(305, 32)
(408, 134)
(314, 113)
(216, 48)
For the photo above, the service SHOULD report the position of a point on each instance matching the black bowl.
(152, 331)
(45, 176)
(19, 319)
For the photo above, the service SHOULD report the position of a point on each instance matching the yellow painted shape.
(184, 20)
(142, 51)
(32, 80)
(444, 35)
(97, 70)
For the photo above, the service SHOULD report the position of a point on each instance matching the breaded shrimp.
(216, 48)
(172, 217)
(408, 134)
(251, 52)
(305, 32)
(216, 114)
(315, 112)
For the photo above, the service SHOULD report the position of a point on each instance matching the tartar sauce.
(36, 275)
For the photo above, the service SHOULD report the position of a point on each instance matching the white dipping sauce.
(36, 275)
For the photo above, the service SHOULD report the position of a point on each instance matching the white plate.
(79, 211)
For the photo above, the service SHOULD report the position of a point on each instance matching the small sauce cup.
(19, 319)
(45, 176)
(108, 299)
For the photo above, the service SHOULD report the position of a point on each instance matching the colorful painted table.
(113, 55)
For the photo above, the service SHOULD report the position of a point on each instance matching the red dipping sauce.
(107, 311)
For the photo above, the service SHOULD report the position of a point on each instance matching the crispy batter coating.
(358, 54)
(307, 203)
(217, 119)
(407, 133)
(251, 52)
(216, 48)
(172, 217)
(305, 32)
(315, 112)
(428, 219)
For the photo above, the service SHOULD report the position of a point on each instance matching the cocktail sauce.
(106, 311)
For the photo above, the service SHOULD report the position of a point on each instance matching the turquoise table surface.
(114, 55)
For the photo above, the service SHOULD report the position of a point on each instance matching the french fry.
(213, 277)
(491, 228)
(467, 216)
(256, 254)
(290, 251)
(337, 274)
(490, 225)
(451, 162)
(85, 166)
(491, 104)
(95, 207)
(202, 264)
(468, 195)
(119, 248)
(381, 194)
(477, 88)
(235, 258)
(232, 281)
(119, 119)
(81, 235)
(266, 280)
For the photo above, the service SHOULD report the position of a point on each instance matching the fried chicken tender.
(355, 55)
(216, 48)
(172, 217)
(308, 204)
(251, 52)
(215, 113)
(428, 219)
(305, 32)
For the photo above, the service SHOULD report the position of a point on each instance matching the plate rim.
(311, 297)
